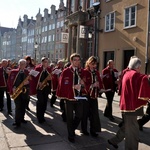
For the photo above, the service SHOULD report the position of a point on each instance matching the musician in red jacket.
(131, 106)
(93, 84)
(4, 72)
(69, 87)
(17, 77)
(110, 83)
(42, 87)
(55, 77)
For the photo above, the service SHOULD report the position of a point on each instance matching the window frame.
(130, 17)
(110, 14)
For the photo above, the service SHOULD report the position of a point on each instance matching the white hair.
(134, 63)
(4, 60)
(21, 61)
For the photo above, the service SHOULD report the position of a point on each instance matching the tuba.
(20, 89)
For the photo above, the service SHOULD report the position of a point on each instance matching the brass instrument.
(20, 89)
(94, 88)
(44, 82)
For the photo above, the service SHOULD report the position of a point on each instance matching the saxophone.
(44, 82)
(20, 89)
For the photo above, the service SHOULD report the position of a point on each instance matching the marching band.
(77, 89)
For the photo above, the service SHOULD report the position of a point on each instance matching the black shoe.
(111, 118)
(24, 121)
(41, 121)
(16, 124)
(85, 133)
(120, 124)
(9, 113)
(72, 140)
(1, 109)
(114, 145)
(94, 134)
(28, 109)
(52, 105)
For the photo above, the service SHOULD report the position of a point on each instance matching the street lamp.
(35, 49)
(96, 12)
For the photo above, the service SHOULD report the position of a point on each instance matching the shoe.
(24, 121)
(120, 124)
(85, 133)
(114, 145)
(16, 124)
(28, 109)
(9, 113)
(41, 121)
(111, 118)
(140, 126)
(72, 140)
(94, 134)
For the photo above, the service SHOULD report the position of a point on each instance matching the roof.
(5, 29)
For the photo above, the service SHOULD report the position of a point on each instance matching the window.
(62, 23)
(91, 3)
(81, 3)
(110, 22)
(130, 17)
(72, 5)
(50, 27)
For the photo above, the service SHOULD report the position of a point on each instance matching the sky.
(11, 10)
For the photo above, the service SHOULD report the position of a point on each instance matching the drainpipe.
(147, 40)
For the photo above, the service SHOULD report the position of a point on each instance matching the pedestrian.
(130, 106)
(69, 87)
(4, 73)
(29, 67)
(93, 84)
(110, 84)
(18, 85)
(55, 77)
(43, 88)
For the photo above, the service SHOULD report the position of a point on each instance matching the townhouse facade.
(125, 27)
(120, 29)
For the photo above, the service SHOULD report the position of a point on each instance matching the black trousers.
(74, 112)
(41, 104)
(53, 98)
(2, 100)
(146, 116)
(20, 105)
(90, 111)
(108, 108)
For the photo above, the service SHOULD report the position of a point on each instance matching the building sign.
(64, 37)
(83, 31)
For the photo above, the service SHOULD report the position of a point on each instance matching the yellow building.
(125, 25)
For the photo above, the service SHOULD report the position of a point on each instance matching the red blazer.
(108, 79)
(35, 80)
(12, 78)
(131, 83)
(144, 92)
(3, 82)
(89, 80)
(65, 88)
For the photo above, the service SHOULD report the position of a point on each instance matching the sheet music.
(34, 73)
(80, 97)
(57, 71)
